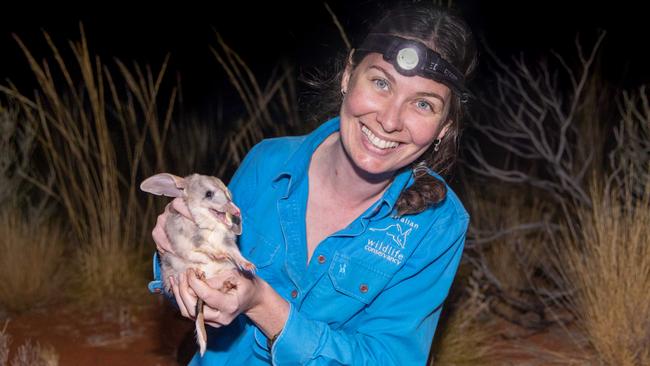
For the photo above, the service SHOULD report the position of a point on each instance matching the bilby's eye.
(209, 194)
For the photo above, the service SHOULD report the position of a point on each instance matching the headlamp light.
(411, 57)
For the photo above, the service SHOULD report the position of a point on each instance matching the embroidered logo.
(385, 251)
(396, 233)
(392, 250)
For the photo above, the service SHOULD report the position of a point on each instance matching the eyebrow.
(422, 94)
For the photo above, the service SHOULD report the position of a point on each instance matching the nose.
(389, 115)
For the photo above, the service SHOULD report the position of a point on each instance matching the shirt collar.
(386, 204)
(295, 170)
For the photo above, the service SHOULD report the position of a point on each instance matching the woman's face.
(387, 119)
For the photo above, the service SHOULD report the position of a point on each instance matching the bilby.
(207, 244)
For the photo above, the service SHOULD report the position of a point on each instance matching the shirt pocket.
(258, 249)
(356, 278)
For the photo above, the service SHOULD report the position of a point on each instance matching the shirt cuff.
(156, 285)
(297, 342)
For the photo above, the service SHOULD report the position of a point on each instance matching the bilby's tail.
(201, 335)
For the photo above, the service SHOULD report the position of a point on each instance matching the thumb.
(211, 295)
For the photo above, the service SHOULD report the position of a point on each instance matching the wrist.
(269, 311)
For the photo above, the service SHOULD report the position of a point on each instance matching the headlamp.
(410, 57)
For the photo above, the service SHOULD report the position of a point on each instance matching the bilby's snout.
(233, 217)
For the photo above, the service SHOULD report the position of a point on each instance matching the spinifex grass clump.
(97, 139)
(606, 257)
(30, 265)
(465, 337)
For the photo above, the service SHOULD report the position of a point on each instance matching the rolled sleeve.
(299, 340)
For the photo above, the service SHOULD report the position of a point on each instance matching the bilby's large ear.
(164, 184)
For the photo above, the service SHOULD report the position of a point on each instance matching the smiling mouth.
(376, 141)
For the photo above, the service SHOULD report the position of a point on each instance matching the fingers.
(188, 296)
(212, 317)
(179, 299)
(221, 306)
(210, 292)
(159, 235)
(185, 296)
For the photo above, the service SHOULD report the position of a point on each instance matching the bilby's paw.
(227, 286)
(220, 257)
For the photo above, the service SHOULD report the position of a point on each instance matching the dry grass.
(5, 340)
(28, 354)
(31, 262)
(35, 354)
(96, 171)
(506, 248)
(99, 135)
(465, 329)
(16, 145)
(270, 110)
(606, 258)
(630, 160)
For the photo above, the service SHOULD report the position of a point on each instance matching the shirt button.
(294, 294)
(321, 259)
(363, 288)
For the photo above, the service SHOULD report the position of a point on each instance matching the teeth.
(376, 141)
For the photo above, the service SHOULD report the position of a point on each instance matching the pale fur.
(207, 244)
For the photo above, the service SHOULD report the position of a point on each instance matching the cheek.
(423, 132)
(359, 102)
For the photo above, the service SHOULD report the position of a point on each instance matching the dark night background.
(303, 34)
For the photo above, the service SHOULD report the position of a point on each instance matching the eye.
(424, 105)
(209, 194)
(381, 83)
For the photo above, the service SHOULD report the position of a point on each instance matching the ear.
(444, 129)
(164, 184)
(347, 73)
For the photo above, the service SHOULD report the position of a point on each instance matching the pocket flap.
(356, 279)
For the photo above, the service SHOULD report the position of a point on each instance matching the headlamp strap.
(411, 57)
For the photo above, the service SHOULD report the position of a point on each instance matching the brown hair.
(447, 34)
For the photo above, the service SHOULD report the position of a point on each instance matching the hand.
(158, 233)
(226, 295)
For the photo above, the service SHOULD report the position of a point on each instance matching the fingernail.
(171, 280)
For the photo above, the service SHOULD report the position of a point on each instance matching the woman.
(354, 233)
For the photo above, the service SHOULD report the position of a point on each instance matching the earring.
(436, 145)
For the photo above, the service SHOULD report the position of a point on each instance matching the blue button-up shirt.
(372, 293)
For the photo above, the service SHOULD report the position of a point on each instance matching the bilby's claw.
(248, 266)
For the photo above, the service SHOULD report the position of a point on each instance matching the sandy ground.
(147, 333)
(153, 333)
